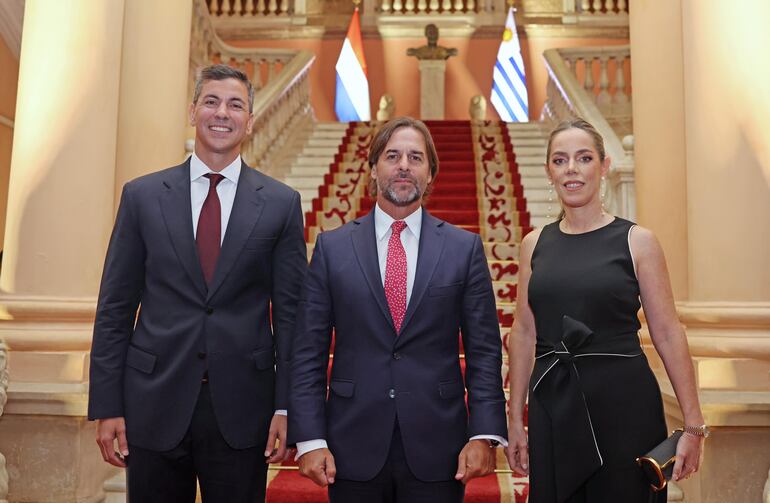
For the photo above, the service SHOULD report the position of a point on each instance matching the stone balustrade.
(256, 8)
(279, 77)
(602, 71)
(572, 92)
(438, 7)
(605, 12)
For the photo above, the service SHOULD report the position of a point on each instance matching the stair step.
(321, 151)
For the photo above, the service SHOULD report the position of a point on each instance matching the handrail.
(567, 98)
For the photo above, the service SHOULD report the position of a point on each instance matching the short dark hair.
(382, 137)
(222, 72)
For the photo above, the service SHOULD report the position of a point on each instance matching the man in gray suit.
(194, 384)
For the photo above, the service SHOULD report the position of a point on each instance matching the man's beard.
(401, 199)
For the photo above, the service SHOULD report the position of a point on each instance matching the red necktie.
(209, 234)
(395, 275)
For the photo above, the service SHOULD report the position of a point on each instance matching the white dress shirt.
(199, 189)
(410, 239)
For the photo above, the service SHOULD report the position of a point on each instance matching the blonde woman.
(594, 403)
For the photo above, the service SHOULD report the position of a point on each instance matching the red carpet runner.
(478, 188)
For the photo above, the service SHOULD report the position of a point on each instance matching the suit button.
(396, 355)
(202, 355)
(391, 393)
(209, 310)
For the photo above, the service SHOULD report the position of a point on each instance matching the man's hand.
(107, 430)
(277, 432)
(318, 466)
(477, 459)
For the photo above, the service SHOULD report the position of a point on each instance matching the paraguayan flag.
(509, 85)
(351, 101)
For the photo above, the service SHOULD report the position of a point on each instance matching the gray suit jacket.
(148, 368)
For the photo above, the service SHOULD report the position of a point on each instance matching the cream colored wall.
(391, 71)
(727, 110)
(8, 79)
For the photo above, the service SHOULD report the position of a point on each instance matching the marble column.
(101, 99)
(702, 170)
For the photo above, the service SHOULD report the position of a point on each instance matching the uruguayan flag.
(351, 101)
(509, 85)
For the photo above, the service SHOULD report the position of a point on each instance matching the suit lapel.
(177, 213)
(365, 247)
(247, 208)
(430, 248)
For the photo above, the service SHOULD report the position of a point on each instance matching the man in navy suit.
(397, 286)
(196, 384)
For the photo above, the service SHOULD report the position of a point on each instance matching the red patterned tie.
(209, 234)
(395, 275)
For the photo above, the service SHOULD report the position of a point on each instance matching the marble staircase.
(312, 163)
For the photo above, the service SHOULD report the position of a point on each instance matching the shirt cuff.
(310, 445)
(503, 442)
(281, 412)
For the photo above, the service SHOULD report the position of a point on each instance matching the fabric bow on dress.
(557, 386)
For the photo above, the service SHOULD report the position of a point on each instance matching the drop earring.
(603, 192)
(549, 212)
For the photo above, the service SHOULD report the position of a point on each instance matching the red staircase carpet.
(478, 188)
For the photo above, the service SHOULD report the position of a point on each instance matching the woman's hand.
(517, 451)
(689, 453)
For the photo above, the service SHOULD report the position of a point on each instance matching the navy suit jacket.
(379, 377)
(148, 368)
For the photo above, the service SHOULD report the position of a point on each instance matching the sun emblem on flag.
(507, 35)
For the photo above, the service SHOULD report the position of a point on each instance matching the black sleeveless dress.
(594, 404)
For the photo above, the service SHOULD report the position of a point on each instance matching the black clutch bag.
(658, 464)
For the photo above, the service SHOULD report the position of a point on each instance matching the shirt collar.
(383, 221)
(198, 168)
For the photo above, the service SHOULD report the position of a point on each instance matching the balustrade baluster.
(385, 6)
(588, 83)
(603, 98)
(622, 6)
(272, 8)
(214, 7)
(256, 79)
(596, 6)
(237, 8)
(446, 5)
(227, 8)
(459, 5)
(283, 7)
(271, 69)
(260, 8)
(398, 6)
(249, 9)
(470, 6)
(585, 6)
(620, 80)
(433, 5)
(421, 6)
(409, 6)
